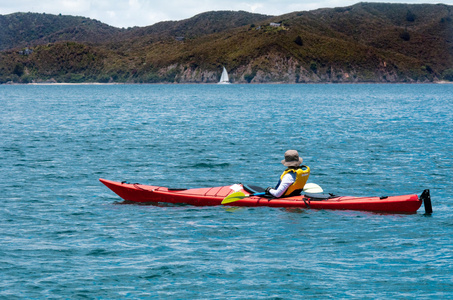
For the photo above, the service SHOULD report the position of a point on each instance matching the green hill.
(199, 25)
(29, 29)
(361, 43)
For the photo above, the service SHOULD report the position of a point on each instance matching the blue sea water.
(64, 235)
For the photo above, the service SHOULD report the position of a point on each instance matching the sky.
(130, 13)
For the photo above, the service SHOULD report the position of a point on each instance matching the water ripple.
(63, 236)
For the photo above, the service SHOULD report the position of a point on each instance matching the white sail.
(224, 78)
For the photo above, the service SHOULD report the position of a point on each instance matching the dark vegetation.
(362, 43)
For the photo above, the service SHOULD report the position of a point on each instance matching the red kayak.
(214, 196)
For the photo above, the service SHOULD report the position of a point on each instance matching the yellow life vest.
(302, 174)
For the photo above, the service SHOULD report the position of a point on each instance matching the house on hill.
(26, 51)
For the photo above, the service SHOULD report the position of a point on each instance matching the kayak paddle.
(308, 188)
(238, 196)
(312, 188)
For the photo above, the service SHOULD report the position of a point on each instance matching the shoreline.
(203, 83)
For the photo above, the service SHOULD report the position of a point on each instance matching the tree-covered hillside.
(366, 42)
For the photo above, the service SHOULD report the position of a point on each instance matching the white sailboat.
(224, 78)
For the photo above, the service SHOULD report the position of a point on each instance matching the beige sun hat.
(292, 159)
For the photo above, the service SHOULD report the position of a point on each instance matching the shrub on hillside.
(448, 75)
(299, 41)
(405, 36)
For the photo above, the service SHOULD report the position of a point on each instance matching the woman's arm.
(287, 180)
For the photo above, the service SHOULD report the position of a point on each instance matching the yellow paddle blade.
(233, 197)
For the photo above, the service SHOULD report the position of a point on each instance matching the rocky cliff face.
(277, 68)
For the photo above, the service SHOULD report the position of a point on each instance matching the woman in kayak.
(293, 179)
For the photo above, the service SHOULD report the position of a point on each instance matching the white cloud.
(253, 7)
(128, 13)
(74, 6)
(135, 6)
